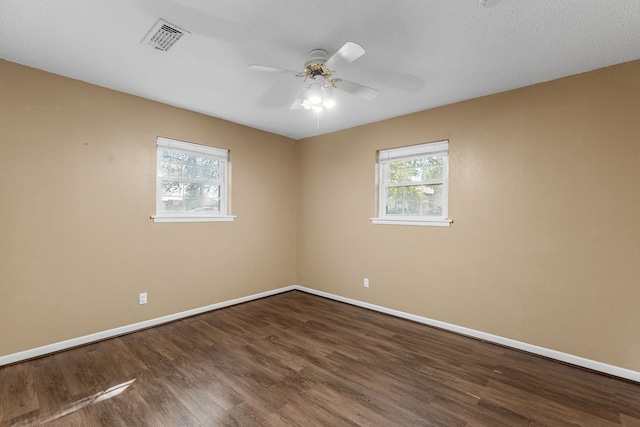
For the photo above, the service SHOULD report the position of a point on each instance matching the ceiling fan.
(318, 74)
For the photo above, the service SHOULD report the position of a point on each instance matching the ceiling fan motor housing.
(317, 56)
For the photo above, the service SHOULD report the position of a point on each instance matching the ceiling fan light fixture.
(306, 104)
(328, 103)
(327, 97)
(316, 97)
(314, 94)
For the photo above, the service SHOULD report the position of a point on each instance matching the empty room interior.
(297, 287)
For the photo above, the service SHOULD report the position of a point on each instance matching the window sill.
(194, 218)
(417, 222)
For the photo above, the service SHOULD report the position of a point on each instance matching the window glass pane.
(412, 192)
(207, 161)
(432, 199)
(192, 190)
(432, 172)
(210, 174)
(394, 201)
(175, 171)
(395, 177)
(191, 172)
(395, 172)
(212, 205)
(172, 205)
(193, 205)
(411, 207)
(415, 163)
(411, 200)
(397, 165)
(164, 169)
(170, 188)
(413, 175)
(211, 191)
(189, 159)
(394, 207)
(415, 170)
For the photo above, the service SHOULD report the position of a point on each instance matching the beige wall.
(77, 187)
(545, 244)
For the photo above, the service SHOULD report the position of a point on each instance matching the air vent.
(163, 35)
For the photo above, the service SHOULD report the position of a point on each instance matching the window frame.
(220, 154)
(384, 157)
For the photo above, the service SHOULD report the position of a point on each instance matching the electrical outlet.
(142, 298)
(366, 282)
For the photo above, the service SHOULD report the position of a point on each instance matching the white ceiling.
(419, 53)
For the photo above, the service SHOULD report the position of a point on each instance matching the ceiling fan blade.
(297, 104)
(279, 94)
(347, 54)
(272, 69)
(356, 89)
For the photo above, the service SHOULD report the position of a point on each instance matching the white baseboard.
(552, 354)
(75, 342)
(529, 348)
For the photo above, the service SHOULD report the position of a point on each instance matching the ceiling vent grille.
(163, 35)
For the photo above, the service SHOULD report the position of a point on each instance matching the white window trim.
(196, 149)
(433, 223)
(192, 218)
(405, 152)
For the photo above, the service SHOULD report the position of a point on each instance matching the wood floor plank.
(299, 359)
(196, 397)
(51, 387)
(547, 411)
(18, 396)
(627, 421)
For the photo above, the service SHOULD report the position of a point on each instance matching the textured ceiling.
(419, 53)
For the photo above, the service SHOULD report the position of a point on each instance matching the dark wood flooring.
(296, 359)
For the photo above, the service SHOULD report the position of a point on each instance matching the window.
(413, 185)
(191, 182)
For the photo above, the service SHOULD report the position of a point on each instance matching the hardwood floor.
(296, 359)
